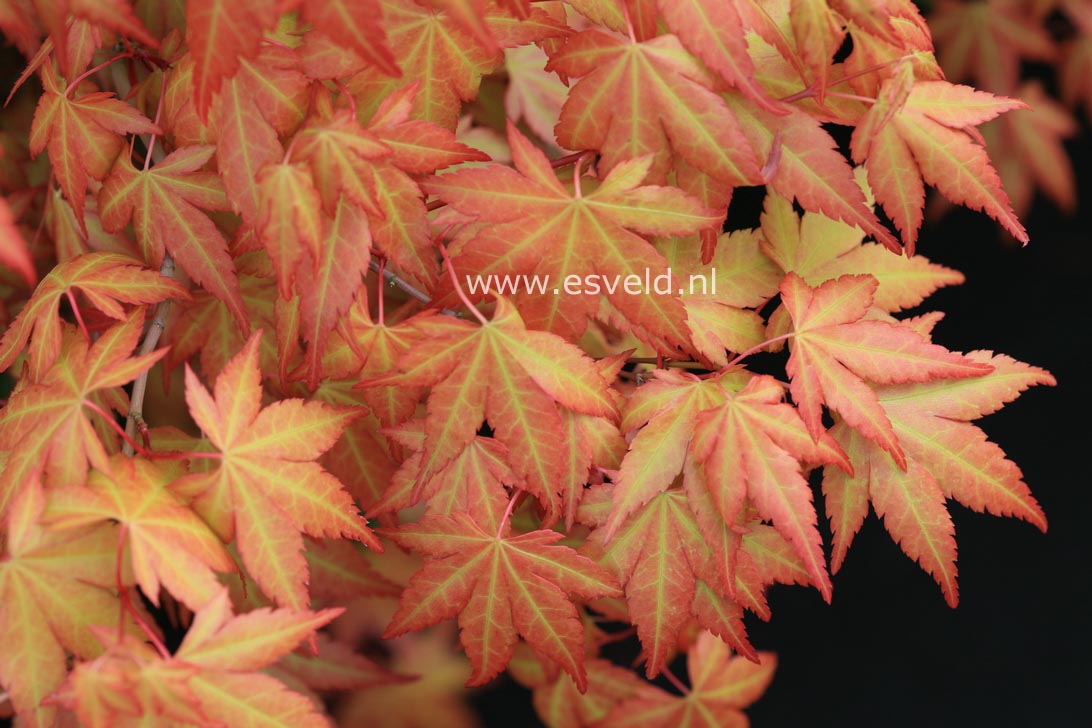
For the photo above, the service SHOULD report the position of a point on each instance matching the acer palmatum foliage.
(536, 464)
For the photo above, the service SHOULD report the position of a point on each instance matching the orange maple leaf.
(668, 569)
(266, 489)
(918, 130)
(947, 457)
(168, 543)
(721, 685)
(82, 135)
(107, 280)
(215, 673)
(165, 205)
(834, 349)
(220, 34)
(47, 423)
(501, 586)
(541, 227)
(53, 586)
(504, 373)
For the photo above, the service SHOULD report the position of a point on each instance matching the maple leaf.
(540, 227)
(473, 482)
(715, 33)
(555, 696)
(82, 135)
(986, 41)
(917, 134)
(350, 24)
(504, 373)
(341, 154)
(164, 204)
(115, 15)
(735, 280)
(46, 424)
(107, 280)
(721, 685)
(71, 241)
(401, 232)
(751, 447)
(220, 33)
(14, 253)
(665, 565)
(1027, 148)
(818, 249)
(809, 169)
(168, 543)
(534, 95)
(207, 327)
(268, 97)
(667, 408)
(370, 349)
(834, 349)
(326, 296)
(432, 47)
(266, 489)
(52, 586)
(501, 586)
(290, 220)
(658, 101)
(948, 458)
(213, 674)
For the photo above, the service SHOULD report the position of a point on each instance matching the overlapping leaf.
(53, 586)
(667, 569)
(507, 375)
(107, 280)
(47, 425)
(651, 98)
(834, 349)
(947, 456)
(501, 586)
(215, 673)
(721, 685)
(920, 126)
(541, 227)
(82, 135)
(266, 489)
(168, 544)
(165, 205)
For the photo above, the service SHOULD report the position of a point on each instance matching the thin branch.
(667, 363)
(399, 282)
(135, 421)
(414, 292)
(109, 418)
(379, 293)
